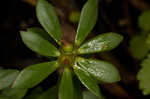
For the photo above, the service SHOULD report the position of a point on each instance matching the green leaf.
(87, 80)
(89, 95)
(12, 93)
(41, 33)
(87, 20)
(144, 21)
(101, 70)
(34, 74)
(66, 85)
(47, 16)
(7, 77)
(144, 77)
(49, 94)
(102, 42)
(77, 89)
(38, 44)
(138, 46)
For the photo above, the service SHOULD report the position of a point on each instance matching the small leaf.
(87, 80)
(7, 77)
(144, 21)
(12, 93)
(34, 74)
(103, 42)
(144, 77)
(138, 46)
(66, 85)
(87, 20)
(47, 16)
(101, 70)
(49, 94)
(89, 95)
(36, 43)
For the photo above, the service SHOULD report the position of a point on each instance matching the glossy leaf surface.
(144, 77)
(38, 44)
(101, 70)
(66, 85)
(47, 16)
(87, 20)
(102, 42)
(87, 80)
(34, 74)
(7, 77)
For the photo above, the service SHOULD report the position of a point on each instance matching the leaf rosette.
(88, 71)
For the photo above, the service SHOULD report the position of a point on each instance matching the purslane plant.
(88, 71)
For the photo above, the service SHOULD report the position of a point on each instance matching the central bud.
(67, 60)
(67, 57)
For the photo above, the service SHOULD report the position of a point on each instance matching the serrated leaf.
(102, 42)
(7, 77)
(51, 93)
(138, 46)
(89, 95)
(47, 16)
(101, 70)
(38, 44)
(66, 85)
(144, 21)
(34, 74)
(144, 77)
(12, 93)
(87, 20)
(87, 80)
